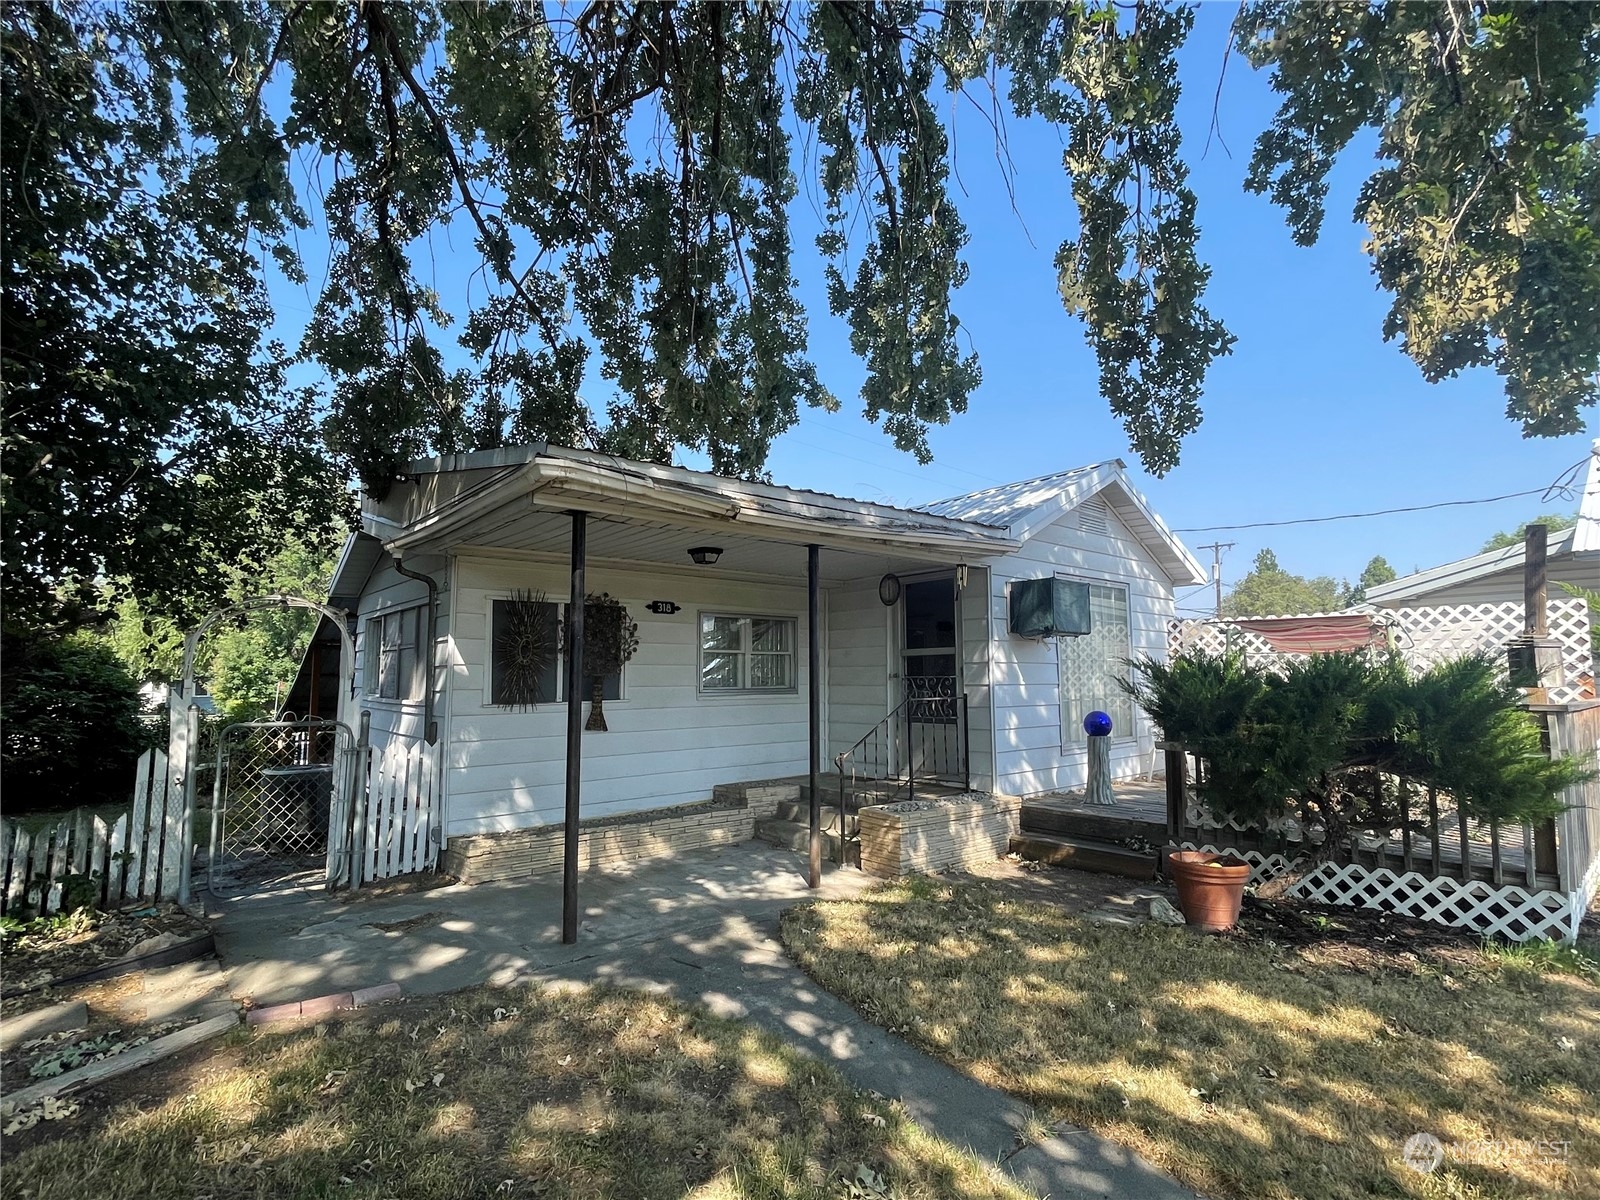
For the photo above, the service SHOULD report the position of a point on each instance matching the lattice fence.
(1428, 635)
(1509, 911)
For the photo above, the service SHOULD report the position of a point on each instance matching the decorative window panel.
(1091, 665)
(508, 686)
(747, 654)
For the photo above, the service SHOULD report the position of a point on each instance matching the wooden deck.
(1141, 804)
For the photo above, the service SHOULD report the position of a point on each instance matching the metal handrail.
(931, 700)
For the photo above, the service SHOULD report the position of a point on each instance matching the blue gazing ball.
(1097, 724)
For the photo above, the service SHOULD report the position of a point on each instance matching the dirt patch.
(59, 948)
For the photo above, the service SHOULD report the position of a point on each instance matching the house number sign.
(664, 608)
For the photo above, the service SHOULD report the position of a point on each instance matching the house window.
(1092, 664)
(514, 624)
(746, 654)
(394, 662)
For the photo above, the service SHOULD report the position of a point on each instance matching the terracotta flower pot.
(1210, 887)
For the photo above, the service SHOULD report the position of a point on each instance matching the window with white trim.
(1091, 665)
(747, 653)
(394, 666)
(548, 686)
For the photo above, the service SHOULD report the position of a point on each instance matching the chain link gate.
(280, 806)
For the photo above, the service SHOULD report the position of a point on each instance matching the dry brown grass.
(1245, 1068)
(582, 1093)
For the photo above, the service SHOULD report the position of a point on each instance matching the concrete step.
(799, 812)
(1096, 826)
(1083, 854)
(794, 836)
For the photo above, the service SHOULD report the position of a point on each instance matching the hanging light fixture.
(705, 555)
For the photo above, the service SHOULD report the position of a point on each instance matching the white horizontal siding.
(858, 657)
(1026, 680)
(666, 743)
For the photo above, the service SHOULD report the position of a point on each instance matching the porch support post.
(574, 682)
(814, 722)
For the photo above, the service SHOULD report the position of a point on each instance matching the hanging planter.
(610, 637)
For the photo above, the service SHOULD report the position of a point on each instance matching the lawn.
(495, 1093)
(1245, 1067)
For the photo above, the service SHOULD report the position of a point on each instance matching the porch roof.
(518, 499)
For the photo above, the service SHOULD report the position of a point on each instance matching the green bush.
(70, 723)
(1346, 736)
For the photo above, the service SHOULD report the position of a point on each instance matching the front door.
(931, 673)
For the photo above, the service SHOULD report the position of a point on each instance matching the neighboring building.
(1496, 576)
(717, 690)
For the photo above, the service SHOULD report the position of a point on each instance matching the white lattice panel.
(1427, 635)
(1263, 867)
(1509, 911)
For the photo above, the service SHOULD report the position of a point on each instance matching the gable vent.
(1094, 516)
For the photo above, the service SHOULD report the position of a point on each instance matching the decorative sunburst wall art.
(525, 646)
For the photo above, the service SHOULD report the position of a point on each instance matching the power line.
(1564, 487)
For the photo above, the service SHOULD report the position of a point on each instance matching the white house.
(1496, 576)
(470, 552)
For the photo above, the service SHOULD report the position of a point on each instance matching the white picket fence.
(397, 831)
(136, 857)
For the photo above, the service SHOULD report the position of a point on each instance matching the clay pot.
(1210, 887)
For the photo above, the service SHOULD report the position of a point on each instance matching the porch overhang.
(640, 511)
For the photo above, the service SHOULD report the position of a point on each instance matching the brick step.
(1083, 854)
(1100, 827)
(794, 836)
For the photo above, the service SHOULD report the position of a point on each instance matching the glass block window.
(1091, 665)
(747, 654)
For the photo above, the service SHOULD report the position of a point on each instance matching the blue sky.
(1312, 415)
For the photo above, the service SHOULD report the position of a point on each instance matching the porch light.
(889, 589)
(705, 555)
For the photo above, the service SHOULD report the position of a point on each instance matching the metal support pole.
(814, 690)
(569, 858)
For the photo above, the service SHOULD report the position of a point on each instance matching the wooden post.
(1177, 764)
(1535, 539)
(574, 681)
(814, 723)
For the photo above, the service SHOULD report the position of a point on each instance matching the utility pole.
(1216, 549)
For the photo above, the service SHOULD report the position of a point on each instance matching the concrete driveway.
(701, 927)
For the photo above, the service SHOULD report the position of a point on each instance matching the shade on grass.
(1248, 1070)
(502, 1093)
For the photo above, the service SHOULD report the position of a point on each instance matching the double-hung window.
(527, 660)
(395, 666)
(747, 654)
(1092, 664)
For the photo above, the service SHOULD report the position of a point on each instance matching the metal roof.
(1582, 538)
(1026, 507)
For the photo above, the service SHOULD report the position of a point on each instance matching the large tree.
(1270, 591)
(1515, 537)
(618, 178)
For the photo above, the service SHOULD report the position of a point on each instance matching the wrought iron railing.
(924, 737)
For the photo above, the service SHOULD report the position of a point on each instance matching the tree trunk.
(597, 700)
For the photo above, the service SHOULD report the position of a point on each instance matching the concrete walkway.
(702, 928)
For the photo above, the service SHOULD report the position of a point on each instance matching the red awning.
(1317, 635)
